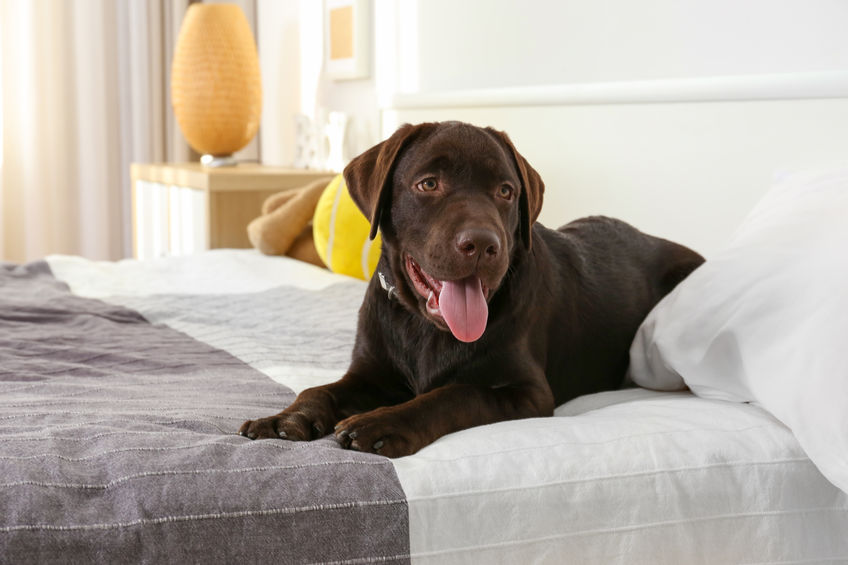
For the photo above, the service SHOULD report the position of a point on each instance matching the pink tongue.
(464, 308)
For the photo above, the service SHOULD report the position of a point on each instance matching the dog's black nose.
(478, 242)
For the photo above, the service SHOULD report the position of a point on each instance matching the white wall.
(437, 45)
(498, 43)
(290, 38)
(278, 39)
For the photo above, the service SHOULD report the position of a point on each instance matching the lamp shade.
(216, 86)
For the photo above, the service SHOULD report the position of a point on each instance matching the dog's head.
(453, 202)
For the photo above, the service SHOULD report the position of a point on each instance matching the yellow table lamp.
(216, 87)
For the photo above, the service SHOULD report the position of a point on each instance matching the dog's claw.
(343, 437)
(378, 445)
(283, 435)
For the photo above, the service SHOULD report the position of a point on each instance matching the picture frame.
(347, 53)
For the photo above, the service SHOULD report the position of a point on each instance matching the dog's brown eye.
(428, 185)
(505, 192)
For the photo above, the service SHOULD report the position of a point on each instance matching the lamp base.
(218, 161)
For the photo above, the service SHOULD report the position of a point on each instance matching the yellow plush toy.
(318, 223)
(341, 231)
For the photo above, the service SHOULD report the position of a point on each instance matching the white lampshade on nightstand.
(216, 87)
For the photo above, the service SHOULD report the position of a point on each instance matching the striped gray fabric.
(294, 327)
(117, 444)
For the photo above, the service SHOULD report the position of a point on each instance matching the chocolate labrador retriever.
(476, 313)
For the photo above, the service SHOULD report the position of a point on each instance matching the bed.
(123, 383)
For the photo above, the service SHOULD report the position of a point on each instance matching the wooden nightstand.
(180, 208)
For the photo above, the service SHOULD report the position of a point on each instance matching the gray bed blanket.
(118, 444)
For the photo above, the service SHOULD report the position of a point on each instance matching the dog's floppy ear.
(369, 176)
(532, 189)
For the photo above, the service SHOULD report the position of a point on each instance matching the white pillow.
(766, 320)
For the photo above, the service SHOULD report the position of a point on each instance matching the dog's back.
(610, 275)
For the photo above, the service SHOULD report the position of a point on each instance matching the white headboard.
(682, 159)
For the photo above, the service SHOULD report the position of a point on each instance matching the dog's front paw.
(295, 426)
(379, 431)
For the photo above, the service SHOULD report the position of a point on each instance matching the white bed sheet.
(646, 477)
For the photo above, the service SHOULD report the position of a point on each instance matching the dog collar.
(387, 286)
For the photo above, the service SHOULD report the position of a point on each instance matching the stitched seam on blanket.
(729, 464)
(625, 529)
(839, 560)
(104, 434)
(121, 480)
(141, 412)
(158, 400)
(240, 445)
(85, 361)
(161, 409)
(359, 560)
(110, 421)
(87, 386)
(284, 446)
(194, 517)
(78, 365)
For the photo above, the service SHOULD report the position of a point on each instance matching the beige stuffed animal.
(285, 226)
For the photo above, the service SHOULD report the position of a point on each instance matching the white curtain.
(84, 93)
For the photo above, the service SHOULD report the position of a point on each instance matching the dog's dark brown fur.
(457, 202)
